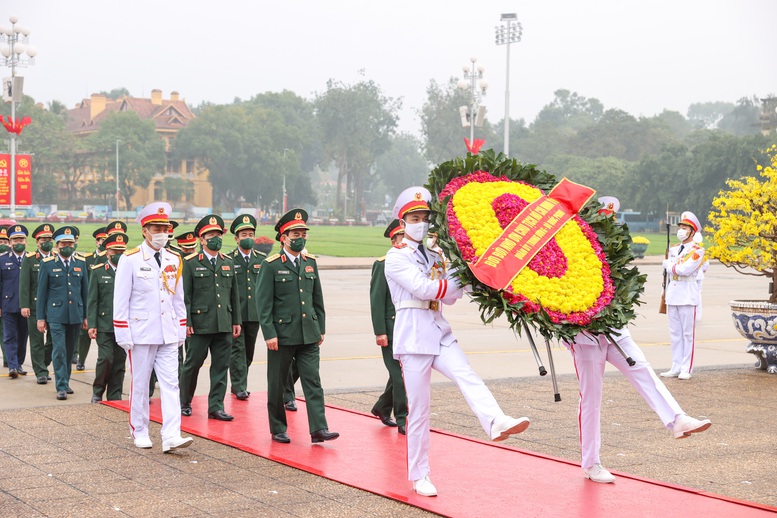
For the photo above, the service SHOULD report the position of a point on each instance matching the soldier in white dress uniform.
(423, 340)
(149, 319)
(683, 295)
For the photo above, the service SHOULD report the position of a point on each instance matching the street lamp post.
(505, 35)
(118, 190)
(284, 197)
(14, 43)
(475, 113)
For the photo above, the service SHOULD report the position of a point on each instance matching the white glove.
(667, 265)
(126, 346)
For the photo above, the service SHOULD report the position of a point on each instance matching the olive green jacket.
(211, 294)
(246, 275)
(99, 306)
(381, 307)
(28, 282)
(290, 300)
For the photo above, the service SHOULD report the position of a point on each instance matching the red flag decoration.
(23, 179)
(474, 146)
(15, 126)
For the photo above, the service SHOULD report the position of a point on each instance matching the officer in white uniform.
(423, 340)
(149, 319)
(590, 354)
(683, 296)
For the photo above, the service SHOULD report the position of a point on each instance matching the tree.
(141, 151)
(357, 122)
(116, 93)
(707, 115)
(177, 188)
(403, 165)
(744, 119)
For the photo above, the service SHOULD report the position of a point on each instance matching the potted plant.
(639, 246)
(743, 226)
(263, 244)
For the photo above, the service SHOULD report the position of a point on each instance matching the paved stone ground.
(78, 460)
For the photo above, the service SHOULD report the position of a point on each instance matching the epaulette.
(49, 258)
(272, 258)
(257, 253)
(30, 254)
(381, 259)
(90, 254)
(190, 256)
(101, 254)
(310, 256)
(400, 245)
(174, 251)
(96, 266)
(133, 251)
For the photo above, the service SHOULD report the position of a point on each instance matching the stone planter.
(756, 320)
(639, 249)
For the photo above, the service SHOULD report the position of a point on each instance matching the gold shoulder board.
(133, 251)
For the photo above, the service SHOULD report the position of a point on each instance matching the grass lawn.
(322, 240)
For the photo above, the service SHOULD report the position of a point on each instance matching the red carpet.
(473, 477)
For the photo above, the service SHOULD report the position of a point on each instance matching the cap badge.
(246, 219)
(18, 229)
(46, 228)
(68, 231)
(160, 210)
(611, 205)
(213, 221)
(117, 225)
(119, 239)
(419, 196)
(298, 216)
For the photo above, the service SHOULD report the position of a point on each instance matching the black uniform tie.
(158, 260)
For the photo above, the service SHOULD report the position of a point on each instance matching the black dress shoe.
(186, 411)
(281, 437)
(61, 395)
(21, 372)
(48, 378)
(42, 380)
(324, 435)
(69, 390)
(242, 395)
(385, 419)
(291, 406)
(96, 399)
(220, 415)
(80, 366)
(402, 430)
(13, 374)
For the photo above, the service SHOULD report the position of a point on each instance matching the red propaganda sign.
(23, 179)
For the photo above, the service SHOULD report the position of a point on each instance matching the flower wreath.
(580, 280)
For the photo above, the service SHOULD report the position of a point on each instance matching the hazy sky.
(639, 56)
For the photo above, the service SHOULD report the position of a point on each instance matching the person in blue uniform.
(63, 289)
(14, 324)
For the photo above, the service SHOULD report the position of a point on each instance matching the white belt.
(683, 278)
(433, 305)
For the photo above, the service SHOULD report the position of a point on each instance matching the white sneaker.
(143, 442)
(175, 443)
(670, 374)
(597, 473)
(684, 376)
(505, 426)
(424, 487)
(685, 425)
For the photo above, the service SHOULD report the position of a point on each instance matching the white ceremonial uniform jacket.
(148, 304)
(417, 287)
(682, 269)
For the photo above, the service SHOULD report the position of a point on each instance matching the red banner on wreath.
(528, 232)
(23, 179)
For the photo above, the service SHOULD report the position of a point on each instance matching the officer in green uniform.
(111, 359)
(170, 245)
(394, 397)
(90, 258)
(292, 316)
(40, 347)
(5, 246)
(247, 262)
(62, 295)
(187, 242)
(213, 316)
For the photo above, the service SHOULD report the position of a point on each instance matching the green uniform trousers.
(84, 343)
(64, 338)
(394, 398)
(243, 348)
(220, 347)
(111, 365)
(40, 348)
(278, 365)
(288, 386)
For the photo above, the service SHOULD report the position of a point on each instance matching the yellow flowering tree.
(743, 223)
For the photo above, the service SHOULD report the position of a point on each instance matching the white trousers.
(417, 373)
(682, 333)
(164, 360)
(589, 364)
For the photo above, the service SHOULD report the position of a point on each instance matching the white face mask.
(417, 231)
(158, 241)
(682, 234)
